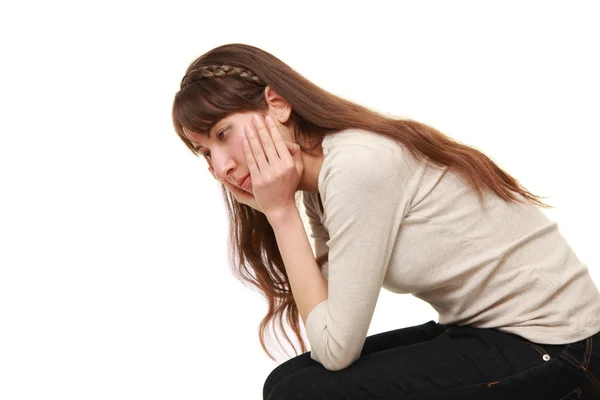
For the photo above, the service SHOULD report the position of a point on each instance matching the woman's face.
(223, 148)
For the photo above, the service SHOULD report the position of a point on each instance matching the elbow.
(337, 366)
(336, 362)
(333, 346)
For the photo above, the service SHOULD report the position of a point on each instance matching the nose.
(223, 165)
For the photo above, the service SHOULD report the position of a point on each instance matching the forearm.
(308, 284)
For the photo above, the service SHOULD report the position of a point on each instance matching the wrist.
(283, 215)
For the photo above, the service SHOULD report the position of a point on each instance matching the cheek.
(239, 149)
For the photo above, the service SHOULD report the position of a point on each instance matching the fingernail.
(255, 117)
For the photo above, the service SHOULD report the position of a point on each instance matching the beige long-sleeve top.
(389, 221)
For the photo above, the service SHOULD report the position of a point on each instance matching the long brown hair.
(232, 78)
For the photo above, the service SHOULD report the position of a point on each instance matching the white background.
(114, 281)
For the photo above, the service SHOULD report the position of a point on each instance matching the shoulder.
(356, 155)
(358, 138)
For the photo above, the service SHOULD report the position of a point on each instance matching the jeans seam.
(587, 357)
(572, 361)
(593, 379)
(538, 349)
(527, 370)
(565, 350)
(569, 395)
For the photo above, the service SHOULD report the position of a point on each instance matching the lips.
(246, 183)
(241, 181)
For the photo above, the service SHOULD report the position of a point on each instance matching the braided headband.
(215, 71)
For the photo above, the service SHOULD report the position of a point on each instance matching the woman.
(394, 204)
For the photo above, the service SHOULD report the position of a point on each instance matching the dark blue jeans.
(433, 361)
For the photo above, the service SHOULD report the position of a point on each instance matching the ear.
(278, 107)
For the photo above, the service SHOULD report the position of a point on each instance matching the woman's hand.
(274, 169)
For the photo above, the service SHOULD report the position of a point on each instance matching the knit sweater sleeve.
(363, 187)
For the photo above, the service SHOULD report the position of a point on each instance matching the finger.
(278, 141)
(294, 150)
(264, 133)
(256, 147)
(249, 154)
(296, 156)
(292, 147)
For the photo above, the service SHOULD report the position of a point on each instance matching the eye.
(220, 135)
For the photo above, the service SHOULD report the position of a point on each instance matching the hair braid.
(217, 71)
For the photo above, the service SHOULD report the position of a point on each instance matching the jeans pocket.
(574, 395)
(541, 375)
